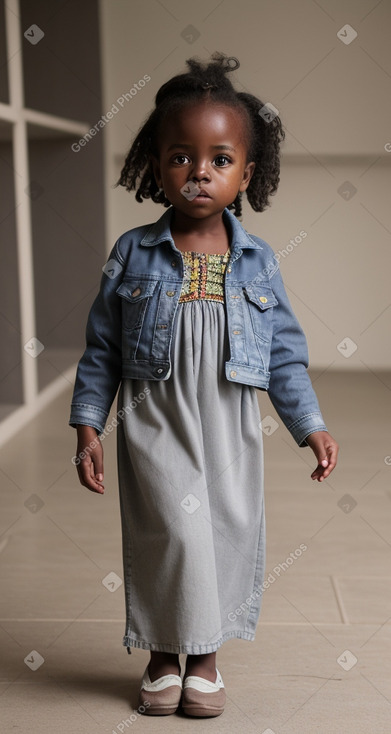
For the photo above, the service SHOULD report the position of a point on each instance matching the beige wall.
(334, 102)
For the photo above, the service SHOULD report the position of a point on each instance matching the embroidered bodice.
(203, 276)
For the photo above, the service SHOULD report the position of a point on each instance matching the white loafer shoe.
(201, 697)
(161, 696)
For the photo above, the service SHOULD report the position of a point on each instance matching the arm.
(99, 370)
(290, 388)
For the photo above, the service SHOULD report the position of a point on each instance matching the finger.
(324, 472)
(320, 473)
(87, 478)
(328, 470)
(98, 466)
(333, 452)
(95, 486)
(94, 483)
(327, 464)
(317, 476)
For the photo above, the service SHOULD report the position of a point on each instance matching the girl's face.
(204, 143)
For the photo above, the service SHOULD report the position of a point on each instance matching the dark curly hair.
(200, 82)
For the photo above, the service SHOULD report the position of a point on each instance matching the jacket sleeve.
(290, 387)
(99, 370)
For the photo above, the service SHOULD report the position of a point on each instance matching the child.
(191, 317)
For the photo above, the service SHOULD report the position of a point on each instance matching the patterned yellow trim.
(203, 276)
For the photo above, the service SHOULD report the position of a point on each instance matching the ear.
(156, 170)
(248, 172)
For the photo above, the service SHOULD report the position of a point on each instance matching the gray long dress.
(190, 471)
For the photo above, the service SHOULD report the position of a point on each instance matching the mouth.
(192, 191)
(203, 195)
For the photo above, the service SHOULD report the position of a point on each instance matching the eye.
(222, 160)
(180, 159)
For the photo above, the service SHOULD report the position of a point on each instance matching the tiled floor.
(321, 661)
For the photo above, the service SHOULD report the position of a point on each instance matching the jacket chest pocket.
(260, 301)
(135, 294)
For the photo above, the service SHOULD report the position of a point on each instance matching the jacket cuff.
(88, 415)
(302, 427)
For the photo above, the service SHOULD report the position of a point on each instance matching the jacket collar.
(160, 232)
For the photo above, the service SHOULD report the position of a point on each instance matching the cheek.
(174, 174)
(231, 179)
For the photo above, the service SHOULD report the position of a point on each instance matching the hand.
(326, 452)
(90, 468)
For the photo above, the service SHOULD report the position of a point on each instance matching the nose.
(200, 171)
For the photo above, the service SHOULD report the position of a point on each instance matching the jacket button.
(263, 299)
(229, 270)
(170, 293)
(136, 292)
(159, 370)
(174, 264)
(232, 373)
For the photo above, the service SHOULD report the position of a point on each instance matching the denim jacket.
(131, 324)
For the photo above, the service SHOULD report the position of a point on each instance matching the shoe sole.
(204, 711)
(159, 711)
(156, 710)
